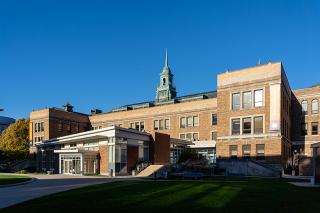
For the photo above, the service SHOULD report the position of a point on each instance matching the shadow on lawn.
(263, 195)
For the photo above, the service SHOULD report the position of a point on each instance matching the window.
(246, 100)
(141, 126)
(164, 81)
(183, 122)
(260, 151)
(182, 136)
(258, 125)
(235, 126)
(246, 126)
(77, 128)
(189, 121)
(156, 125)
(39, 127)
(192, 136)
(213, 135)
(304, 106)
(314, 128)
(195, 136)
(314, 107)
(60, 127)
(246, 150)
(233, 151)
(161, 124)
(304, 129)
(189, 136)
(258, 98)
(195, 121)
(167, 124)
(138, 125)
(214, 119)
(236, 101)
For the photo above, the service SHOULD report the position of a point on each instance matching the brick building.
(254, 114)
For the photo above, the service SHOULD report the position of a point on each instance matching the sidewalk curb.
(18, 184)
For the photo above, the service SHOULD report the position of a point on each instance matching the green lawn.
(253, 195)
(11, 179)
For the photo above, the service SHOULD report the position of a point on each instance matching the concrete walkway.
(49, 184)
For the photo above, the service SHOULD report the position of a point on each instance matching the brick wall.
(104, 158)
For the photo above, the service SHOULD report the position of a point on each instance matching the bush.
(23, 171)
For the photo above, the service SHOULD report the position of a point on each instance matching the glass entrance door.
(71, 164)
(67, 167)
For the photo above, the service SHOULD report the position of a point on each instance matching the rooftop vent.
(96, 111)
(68, 107)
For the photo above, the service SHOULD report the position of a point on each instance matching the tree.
(14, 141)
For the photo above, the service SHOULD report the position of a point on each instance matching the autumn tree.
(14, 141)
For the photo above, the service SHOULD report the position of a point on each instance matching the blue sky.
(103, 54)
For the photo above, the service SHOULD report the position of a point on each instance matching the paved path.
(49, 184)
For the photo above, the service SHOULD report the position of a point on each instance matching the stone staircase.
(150, 170)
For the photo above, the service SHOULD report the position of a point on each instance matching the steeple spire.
(166, 91)
(166, 63)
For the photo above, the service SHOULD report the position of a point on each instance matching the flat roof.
(92, 135)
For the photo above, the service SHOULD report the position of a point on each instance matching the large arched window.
(304, 105)
(314, 106)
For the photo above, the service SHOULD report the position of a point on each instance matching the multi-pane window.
(304, 106)
(161, 124)
(315, 107)
(167, 124)
(260, 151)
(190, 121)
(189, 136)
(258, 125)
(38, 139)
(183, 122)
(235, 126)
(246, 150)
(195, 121)
(246, 126)
(156, 125)
(214, 119)
(236, 101)
(233, 151)
(39, 127)
(246, 100)
(138, 125)
(258, 98)
(213, 135)
(314, 128)
(304, 129)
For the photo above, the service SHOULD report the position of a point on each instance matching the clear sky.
(103, 54)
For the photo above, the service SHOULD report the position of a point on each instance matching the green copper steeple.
(166, 91)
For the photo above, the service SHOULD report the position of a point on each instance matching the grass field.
(11, 179)
(254, 195)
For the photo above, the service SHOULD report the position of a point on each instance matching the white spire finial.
(166, 63)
